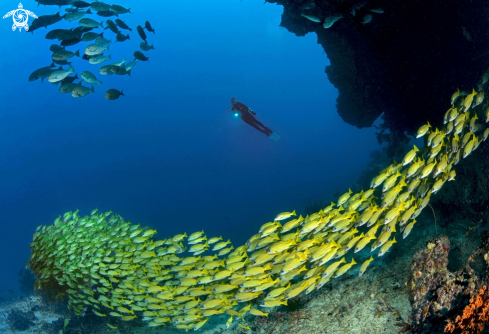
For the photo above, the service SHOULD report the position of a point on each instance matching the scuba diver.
(247, 115)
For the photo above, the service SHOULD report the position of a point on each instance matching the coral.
(474, 316)
(433, 290)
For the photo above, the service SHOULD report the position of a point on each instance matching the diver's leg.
(258, 122)
(250, 122)
(266, 130)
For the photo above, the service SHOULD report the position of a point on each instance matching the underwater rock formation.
(445, 301)
(19, 320)
(433, 290)
(398, 64)
(469, 196)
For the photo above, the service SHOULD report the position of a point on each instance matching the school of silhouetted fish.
(93, 53)
(117, 269)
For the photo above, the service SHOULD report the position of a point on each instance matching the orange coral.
(474, 316)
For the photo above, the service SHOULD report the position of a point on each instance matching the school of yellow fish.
(114, 268)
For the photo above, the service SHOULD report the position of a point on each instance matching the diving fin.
(275, 136)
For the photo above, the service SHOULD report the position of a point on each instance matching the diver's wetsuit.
(247, 116)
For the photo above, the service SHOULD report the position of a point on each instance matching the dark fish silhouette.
(53, 2)
(81, 4)
(52, 34)
(112, 26)
(44, 21)
(120, 10)
(113, 94)
(69, 79)
(72, 41)
(100, 6)
(122, 25)
(119, 70)
(141, 33)
(145, 46)
(61, 62)
(121, 38)
(90, 36)
(55, 47)
(64, 35)
(106, 13)
(148, 27)
(81, 30)
(43, 72)
(140, 56)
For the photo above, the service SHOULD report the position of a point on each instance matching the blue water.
(168, 155)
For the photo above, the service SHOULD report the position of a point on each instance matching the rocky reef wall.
(402, 63)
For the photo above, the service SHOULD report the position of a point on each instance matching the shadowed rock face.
(405, 63)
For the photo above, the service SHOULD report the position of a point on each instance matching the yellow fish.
(196, 241)
(233, 312)
(99, 314)
(414, 167)
(213, 241)
(332, 267)
(364, 266)
(468, 100)
(466, 138)
(273, 303)
(198, 247)
(221, 245)
(256, 312)
(285, 215)
(377, 181)
(468, 148)
(228, 323)
(386, 246)
(208, 304)
(200, 324)
(408, 229)
(244, 327)
(353, 242)
(195, 235)
(149, 233)
(179, 237)
(225, 251)
(124, 310)
(245, 296)
(455, 96)
(472, 123)
(292, 224)
(344, 268)
(428, 169)
(390, 181)
(423, 130)
(140, 240)
(343, 198)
